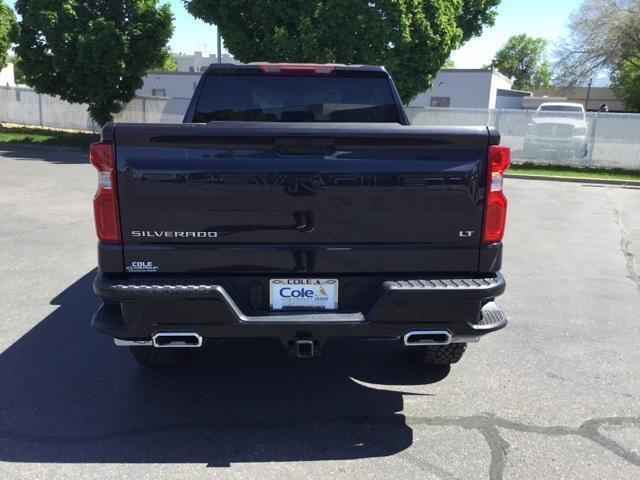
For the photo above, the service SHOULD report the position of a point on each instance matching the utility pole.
(586, 107)
(219, 46)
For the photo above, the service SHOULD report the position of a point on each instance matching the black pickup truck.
(296, 202)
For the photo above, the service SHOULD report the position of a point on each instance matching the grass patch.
(43, 136)
(576, 172)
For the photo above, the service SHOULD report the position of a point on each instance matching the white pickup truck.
(560, 128)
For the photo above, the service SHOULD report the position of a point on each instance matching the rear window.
(279, 98)
(560, 111)
(560, 108)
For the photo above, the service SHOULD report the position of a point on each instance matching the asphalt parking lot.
(555, 395)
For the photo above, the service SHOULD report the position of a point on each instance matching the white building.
(198, 62)
(169, 84)
(470, 88)
(183, 82)
(7, 76)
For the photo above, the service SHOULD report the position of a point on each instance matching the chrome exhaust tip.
(416, 338)
(176, 340)
(119, 342)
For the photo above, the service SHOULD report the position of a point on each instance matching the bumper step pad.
(492, 318)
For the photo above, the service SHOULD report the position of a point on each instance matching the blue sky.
(191, 34)
(540, 18)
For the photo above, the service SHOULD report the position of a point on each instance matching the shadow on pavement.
(45, 153)
(69, 395)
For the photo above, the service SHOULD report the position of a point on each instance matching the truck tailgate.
(339, 198)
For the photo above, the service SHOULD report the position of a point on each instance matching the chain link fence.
(25, 107)
(594, 140)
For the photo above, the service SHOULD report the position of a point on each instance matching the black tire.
(154, 357)
(438, 355)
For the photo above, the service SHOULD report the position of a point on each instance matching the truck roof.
(268, 68)
(561, 104)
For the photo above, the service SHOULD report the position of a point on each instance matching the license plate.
(303, 294)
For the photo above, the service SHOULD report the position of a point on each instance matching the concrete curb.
(598, 181)
(41, 146)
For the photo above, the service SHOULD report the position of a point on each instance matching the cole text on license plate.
(303, 294)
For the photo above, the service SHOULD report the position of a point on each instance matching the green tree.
(625, 80)
(602, 34)
(449, 64)
(411, 38)
(92, 51)
(522, 58)
(168, 64)
(604, 37)
(543, 75)
(7, 31)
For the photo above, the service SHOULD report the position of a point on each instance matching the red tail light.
(105, 203)
(495, 215)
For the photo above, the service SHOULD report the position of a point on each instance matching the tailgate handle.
(305, 146)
